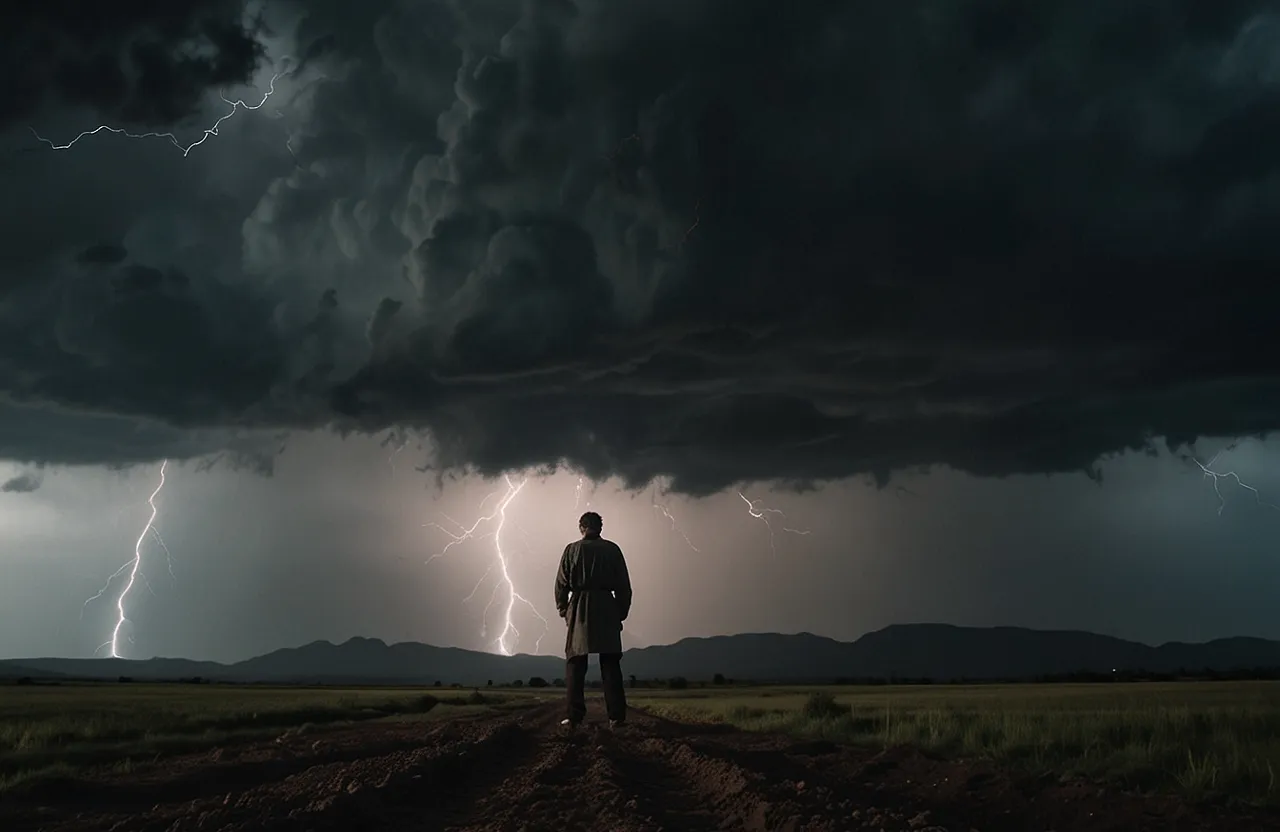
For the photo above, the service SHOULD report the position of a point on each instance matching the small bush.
(822, 705)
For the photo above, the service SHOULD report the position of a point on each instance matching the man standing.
(593, 596)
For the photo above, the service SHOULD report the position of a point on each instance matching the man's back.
(593, 594)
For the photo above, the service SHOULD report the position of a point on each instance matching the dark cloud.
(383, 319)
(104, 254)
(733, 241)
(142, 61)
(22, 484)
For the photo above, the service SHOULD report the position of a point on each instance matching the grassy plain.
(59, 730)
(1197, 738)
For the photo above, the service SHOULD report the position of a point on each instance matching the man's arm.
(623, 593)
(562, 583)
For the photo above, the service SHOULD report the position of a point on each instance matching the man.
(593, 596)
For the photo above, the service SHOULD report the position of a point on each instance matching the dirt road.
(517, 770)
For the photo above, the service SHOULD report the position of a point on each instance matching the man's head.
(590, 523)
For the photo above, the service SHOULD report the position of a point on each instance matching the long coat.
(593, 596)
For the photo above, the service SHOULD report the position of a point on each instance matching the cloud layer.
(704, 240)
(144, 61)
(22, 484)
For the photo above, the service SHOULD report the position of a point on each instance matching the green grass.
(1200, 739)
(62, 730)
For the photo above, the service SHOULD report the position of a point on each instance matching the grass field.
(1196, 738)
(59, 730)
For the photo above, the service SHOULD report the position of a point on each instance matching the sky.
(969, 291)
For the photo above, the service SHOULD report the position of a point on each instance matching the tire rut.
(531, 791)
(218, 778)
(398, 790)
(741, 796)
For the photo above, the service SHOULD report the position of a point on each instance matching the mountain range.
(911, 651)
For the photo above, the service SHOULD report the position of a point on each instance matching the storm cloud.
(701, 240)
(21, 484)
(144, 61)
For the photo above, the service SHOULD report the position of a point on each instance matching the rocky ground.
(518, 770)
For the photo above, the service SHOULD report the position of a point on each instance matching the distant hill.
(915, 651)
(9, 670)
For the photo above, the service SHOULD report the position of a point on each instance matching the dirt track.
(520, 771)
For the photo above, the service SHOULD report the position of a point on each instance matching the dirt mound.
(521, 771)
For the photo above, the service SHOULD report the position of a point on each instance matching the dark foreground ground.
(516, 770)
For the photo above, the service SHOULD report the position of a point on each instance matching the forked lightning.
(675, 527)
(509, 636)
(760, 514)
(134, 569)
(236, 106)
(1215, 476)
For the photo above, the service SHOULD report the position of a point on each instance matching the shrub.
(821, 705)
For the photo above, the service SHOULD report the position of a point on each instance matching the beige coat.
(593, 596)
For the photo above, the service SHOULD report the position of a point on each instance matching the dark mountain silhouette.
(9, 670)
(914, 651)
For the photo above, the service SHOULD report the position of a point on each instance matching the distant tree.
(518, 683)
(559, 683)
(718, 679)
(678, 683)
(490, 684)
(633, 680)
(537, 682)
(125, 679)
(438, 683)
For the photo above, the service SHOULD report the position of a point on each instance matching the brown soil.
(520, 771)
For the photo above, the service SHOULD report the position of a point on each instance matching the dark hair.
(592, 522)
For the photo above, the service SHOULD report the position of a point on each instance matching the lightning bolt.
(761, 515)
(697, 220)
(391, 458)
(134, 569)
(236, 106)
(509, 636)
(577, 494)
(675, 527)
(1216, 476)
(396, 440)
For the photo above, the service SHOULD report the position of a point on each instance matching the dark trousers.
(615, 697)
